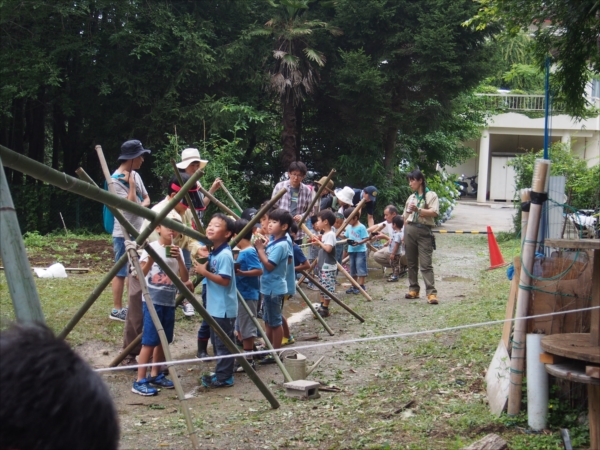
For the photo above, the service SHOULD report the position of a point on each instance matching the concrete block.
(302, 389)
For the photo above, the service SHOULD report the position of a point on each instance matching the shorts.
(244, 322)
(119, 248)
(358, 264)
(328, 282)
(272, 310)
(166, 315)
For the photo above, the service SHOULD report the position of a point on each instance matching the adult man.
(370, 194)
(298, 196)
(382, 257)
(127, 184)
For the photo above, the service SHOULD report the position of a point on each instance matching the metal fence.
(510, 102)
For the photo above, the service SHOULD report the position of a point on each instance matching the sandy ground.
(468, 216)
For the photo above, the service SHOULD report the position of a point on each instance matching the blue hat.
(132, 149)
(371, 191)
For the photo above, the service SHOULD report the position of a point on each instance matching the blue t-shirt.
(290, 274)
(248, 286)
(357, 233)
(221, 301)
(274, 282)
(299, 256)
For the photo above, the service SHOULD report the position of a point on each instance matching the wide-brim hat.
(346, 195)
(329, 186)
(132, 149)
(174, 215)
(190, 155)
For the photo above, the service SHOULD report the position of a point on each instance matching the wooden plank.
(490, 442)
(595, 313)
(572, 345)
(510, 309)
(592, 371)
(498, 380)
(572, 371)
(549, 358)
(587, 244)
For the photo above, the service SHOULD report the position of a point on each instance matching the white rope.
(344, 342)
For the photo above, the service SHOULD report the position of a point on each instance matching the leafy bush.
(443, 185)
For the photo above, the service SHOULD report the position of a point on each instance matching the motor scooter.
(473, 185)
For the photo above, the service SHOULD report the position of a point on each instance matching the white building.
(512, 132)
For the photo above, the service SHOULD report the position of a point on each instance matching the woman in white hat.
(190, 164)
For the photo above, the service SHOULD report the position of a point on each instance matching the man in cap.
(369, 193)
(128, 184)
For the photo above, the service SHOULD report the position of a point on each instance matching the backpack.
(108, 218)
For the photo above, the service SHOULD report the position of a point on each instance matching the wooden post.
(333, 296)
(133, 256)
(314, 311)
(284, 371)
(316, 198)
(217, 202)
(19, 277)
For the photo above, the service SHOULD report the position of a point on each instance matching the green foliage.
(443, 185)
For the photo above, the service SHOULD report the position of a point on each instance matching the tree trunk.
(389, 148)
(288, 136)
(36, 136)
(298, 131)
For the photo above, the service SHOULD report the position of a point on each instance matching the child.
(247, 272)
(290, 279)
(313, 252)
(162, 290)
(273, 286)
(396, 247)
(221, 295)
(327, 263)
(339, 248)
(300, 261)
(357, 235)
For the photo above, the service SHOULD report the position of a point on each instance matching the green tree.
(568, 33)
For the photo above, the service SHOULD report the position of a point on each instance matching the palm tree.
(294, 74)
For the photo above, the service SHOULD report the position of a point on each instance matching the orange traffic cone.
(496, 259)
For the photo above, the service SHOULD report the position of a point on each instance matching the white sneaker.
(188, 309)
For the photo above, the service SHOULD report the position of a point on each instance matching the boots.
(202, 344)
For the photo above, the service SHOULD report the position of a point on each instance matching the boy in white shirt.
(396, 249)
(327, 263)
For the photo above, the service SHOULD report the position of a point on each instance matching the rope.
(344, 342)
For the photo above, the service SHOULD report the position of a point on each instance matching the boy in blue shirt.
(357, 235)
(274, 257)
(248, 269)
(221, 295)
(162, 290)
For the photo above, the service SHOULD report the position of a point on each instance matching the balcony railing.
(508, 102)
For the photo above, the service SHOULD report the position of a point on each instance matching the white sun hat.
(190, 155)
(346, 195)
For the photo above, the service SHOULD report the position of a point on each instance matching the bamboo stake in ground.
(314, 311)
(133, 256)
(19, 278)
(316, 198)
(284, 371)
(332, 296)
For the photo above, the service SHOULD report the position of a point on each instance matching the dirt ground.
(366, 381)
(96, 255)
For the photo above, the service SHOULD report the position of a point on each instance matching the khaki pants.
(419, 252)
(382, 257)
(134, 321)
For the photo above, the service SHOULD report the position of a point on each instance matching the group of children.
(267, 260)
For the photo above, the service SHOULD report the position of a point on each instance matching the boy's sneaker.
(288, 341)
(142, 387)
(312, 287)
(323, 312)
(118, 314)
(188, 309)
(238, 368)
(161, 381)
(393, 279)
(212, 382)
(351, 290)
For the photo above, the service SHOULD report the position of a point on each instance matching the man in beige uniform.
(422, 207)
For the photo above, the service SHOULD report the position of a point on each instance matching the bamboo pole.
(341, 269)
(314, 311)
(236, 204)
(133, 256)
(333, 297)
(357, 208)
(312, 266)
(188, 199)
(115, 362)
(19, 277)
(158, 218)
(66, 182)
(316, 197)
(284, 371)
(217, 202)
